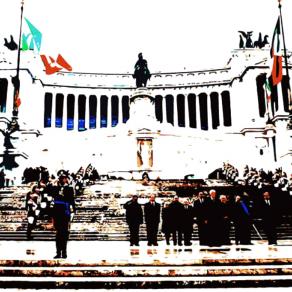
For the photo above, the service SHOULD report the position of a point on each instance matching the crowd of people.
(258, 178)
(213, 215)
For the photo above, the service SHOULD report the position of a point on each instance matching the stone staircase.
(154, 273)
(100, 257)
(99, 216)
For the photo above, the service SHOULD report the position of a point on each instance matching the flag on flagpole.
(276, 54)
(35, 37)
(53, 66)
(17, 100)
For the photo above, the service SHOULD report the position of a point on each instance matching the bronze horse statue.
(141, 73)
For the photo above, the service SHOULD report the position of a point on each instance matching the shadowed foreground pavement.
(116, 265)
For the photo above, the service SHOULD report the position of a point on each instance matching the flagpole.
(15, 80)
(285, 52)
(287, 70)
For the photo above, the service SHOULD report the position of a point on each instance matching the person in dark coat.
(166, 222)
(2, 179)
(187, 222)
(33, 210)
(224, 222)
(270, 217)
(201, 214)
(242, 221)
(63, 210)
(152, 219)
(213, 217)
(134, 217)
(176, 215)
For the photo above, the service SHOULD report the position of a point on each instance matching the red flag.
(53, 66)
(277, 70)
(17, 100)
(276, 54)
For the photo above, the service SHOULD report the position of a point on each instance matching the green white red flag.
(276, 53)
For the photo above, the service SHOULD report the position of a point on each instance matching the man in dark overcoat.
(213, 217)
(152, 219)
(242, 221)
(134, 218)
(270, 216)
(201, 214)
(176, 215)
(187, 222)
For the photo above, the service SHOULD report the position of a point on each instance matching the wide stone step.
(142, 271)
(75, 280)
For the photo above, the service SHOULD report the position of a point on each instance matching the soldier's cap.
(62, 173)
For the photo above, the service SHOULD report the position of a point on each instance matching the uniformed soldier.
(63, 210)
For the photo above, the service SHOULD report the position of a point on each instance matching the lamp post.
(15, 79)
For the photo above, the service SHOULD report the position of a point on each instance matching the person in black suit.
(224, 220)
(201, 214)
(242, 221)
(64, 207)
(152, 219)
(187, 222)
(270, 216)
(166, 222)
(134, 217)
(213, 219)
(176, 215)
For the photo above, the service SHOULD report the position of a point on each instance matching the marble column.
(187, 112)
(75, 115)
(209, 112)
(198, 115)
(175, 117)
(10, 99)
(97, 112)
(186, 118)
(220, 111)
(109, 111)
(120, 118)
(65, 112)
(87, 119)
(280, 99)
(53, 116)
(164, 111)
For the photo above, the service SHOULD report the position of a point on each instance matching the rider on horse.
(142, 73)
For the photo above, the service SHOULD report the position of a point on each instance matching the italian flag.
(276, 54)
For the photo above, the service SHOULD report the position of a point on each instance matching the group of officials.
(212, 214)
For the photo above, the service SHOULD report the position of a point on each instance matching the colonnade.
(202, 111)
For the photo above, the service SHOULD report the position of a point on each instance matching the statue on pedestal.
(141, 73)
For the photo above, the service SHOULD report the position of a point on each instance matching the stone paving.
(120, 252)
